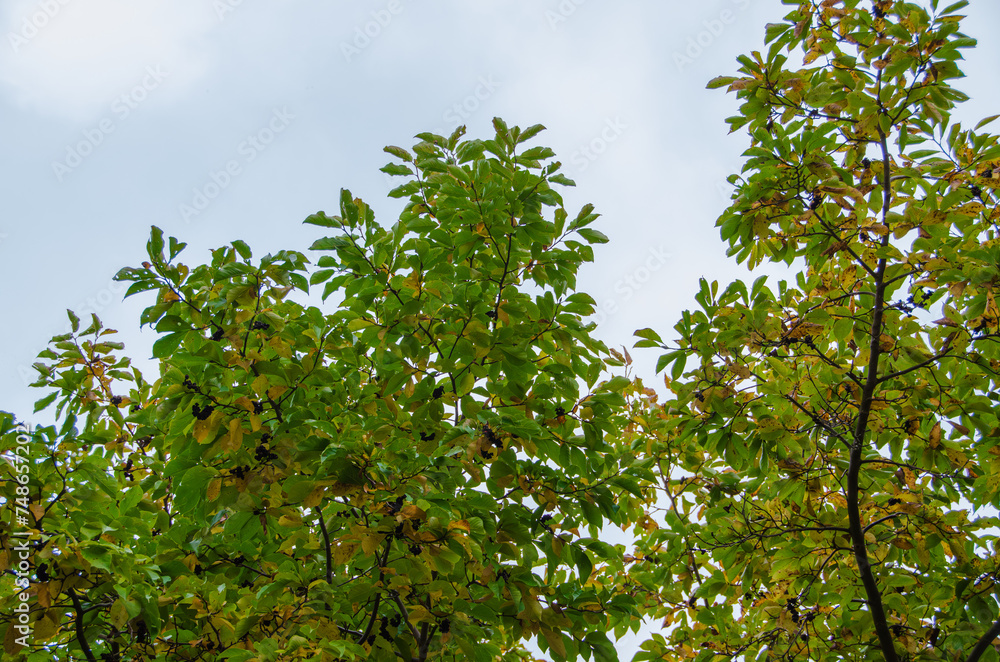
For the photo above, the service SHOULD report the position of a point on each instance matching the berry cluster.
(491, 440)
(263, 453)
(201, 413)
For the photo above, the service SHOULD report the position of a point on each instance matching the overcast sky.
(119, 114)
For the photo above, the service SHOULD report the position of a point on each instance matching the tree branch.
(326, 546)
(874, 597)
(984, 642)
(78, 624)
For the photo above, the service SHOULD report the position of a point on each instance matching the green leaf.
(583, 563)
(320, 218)
(593, 236)
(45, 402)
(530, 133)
(242, 248)
(986, 121)
(720, 81)
(154, 247)
(168, 344)
(649, 334)
(399, 152)
(395, 169)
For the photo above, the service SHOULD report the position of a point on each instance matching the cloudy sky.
(223, 119)
(121, 114)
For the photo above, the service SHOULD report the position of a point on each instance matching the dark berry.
(260, 326)
(116, 400)
(438, 392)
(201, 413)
(393, 507)
(492, 314)
(258, 407)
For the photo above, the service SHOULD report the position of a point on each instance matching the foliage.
(830, 451)
(405, 477)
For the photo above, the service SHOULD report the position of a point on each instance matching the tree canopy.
(829, 449)
(407, 443)
(411, 475)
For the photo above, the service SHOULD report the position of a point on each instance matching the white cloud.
(72, 58)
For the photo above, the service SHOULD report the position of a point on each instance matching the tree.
(830, 450)
(403, 477)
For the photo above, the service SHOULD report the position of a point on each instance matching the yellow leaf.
(214, 486)
(555, 641)
(343, 552)
(118, 614)
(288, 521)
(460, 524)
(418, 614)
(970, 209)
(234, 438)
(201, 429)
(259, 385)
(37, 511)
(45, 628)
(205, 430)
(935, 437)
(902, 543)
(314, 497)
(410, 511)
(370, 543)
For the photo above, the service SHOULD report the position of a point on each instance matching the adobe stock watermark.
(460, 112)
(247, 152)
(588, 153)
(32, 25)
(714, 27)
(467, 107)
(121, 109)
(562, 12)
(365, 34)
(223, 8)
(21, 553)
(625, 288)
